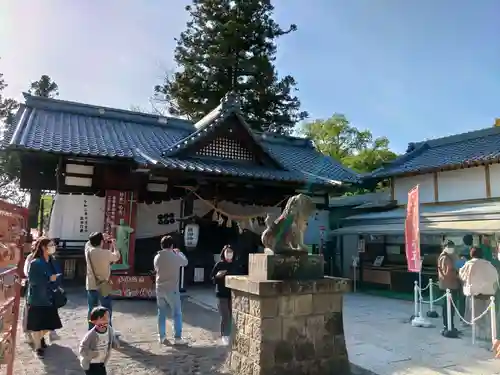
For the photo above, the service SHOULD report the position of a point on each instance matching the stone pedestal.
(287, 326)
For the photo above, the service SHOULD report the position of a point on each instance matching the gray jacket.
(88, 347)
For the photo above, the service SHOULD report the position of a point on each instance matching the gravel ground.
(140, 353)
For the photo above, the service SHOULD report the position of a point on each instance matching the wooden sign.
(133, 286)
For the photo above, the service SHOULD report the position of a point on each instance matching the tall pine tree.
(46, 88)
(231, 46)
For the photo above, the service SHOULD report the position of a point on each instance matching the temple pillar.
(287, 318)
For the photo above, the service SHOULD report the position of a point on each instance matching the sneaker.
(28, 339)
(54, 336)
(117, 333)
(179, 341)
(225, 340)
(40, 353)
(163, 341)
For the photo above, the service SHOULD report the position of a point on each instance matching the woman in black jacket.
(226, 266)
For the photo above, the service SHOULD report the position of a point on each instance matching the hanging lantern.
(215, 216)
(191, 235)
(229, 223)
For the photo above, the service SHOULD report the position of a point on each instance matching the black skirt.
(43, 318)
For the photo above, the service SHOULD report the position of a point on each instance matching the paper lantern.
(191, 235)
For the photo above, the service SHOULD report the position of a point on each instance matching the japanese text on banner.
(412, 231)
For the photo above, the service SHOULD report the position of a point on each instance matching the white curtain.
(74, 217)
(157, 219)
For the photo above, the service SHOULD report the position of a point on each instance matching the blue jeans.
(172, 300)
(94, 299)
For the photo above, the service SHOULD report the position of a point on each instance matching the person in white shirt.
(167, 265)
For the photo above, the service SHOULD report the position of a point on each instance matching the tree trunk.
(34, 208)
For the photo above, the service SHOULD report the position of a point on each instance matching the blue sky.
(408, 70)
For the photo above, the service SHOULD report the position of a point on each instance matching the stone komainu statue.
(286, 233)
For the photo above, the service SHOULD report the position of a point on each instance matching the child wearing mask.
(226, 266)
(95, 347)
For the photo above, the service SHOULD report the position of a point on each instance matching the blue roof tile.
(63, 127)
(471, 148)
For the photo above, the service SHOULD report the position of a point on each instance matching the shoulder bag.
(103, 286)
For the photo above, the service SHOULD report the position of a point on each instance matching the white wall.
(404, 184)
(462, 184)
(456, 185)
(495, 180)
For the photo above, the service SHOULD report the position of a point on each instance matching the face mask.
(51, 250)
(229, 256)
(449, 250)
(102, 326)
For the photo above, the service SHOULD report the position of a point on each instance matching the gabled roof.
(466, 149)
(70, 128)
(213, 121)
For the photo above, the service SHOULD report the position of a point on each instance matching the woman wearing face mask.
(226, 266)
(42, 315)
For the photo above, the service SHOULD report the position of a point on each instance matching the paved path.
(380, 339)
(140, 353)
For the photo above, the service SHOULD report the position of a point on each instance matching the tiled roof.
(465, 149)
(63, 127)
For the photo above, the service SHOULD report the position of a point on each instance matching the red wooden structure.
(13, 221)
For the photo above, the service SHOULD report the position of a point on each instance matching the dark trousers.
(225, 311)
(94, 299)
(455, 297)
(96, 369)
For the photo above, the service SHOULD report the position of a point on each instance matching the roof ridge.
(418, 149)
(455, 138)
(92, 110)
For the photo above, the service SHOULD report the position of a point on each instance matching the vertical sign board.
(120, 222)
(412, 231)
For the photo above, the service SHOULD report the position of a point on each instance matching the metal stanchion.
(449, 331)
(473, 316)
(493, 315)
(418, 320)
(431, 313)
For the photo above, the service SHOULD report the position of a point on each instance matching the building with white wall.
(459, 183)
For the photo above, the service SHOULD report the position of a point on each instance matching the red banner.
(412, 231)
(119, 222)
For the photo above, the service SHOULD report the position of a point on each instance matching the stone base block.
(293, 266)
(288, 327)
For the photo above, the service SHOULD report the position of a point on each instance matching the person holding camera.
(99, 262)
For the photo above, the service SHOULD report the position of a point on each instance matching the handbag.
(59, 298)
(103, 286)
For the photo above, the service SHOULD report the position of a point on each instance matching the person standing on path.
(448, 279)
(167, 265)
(99, 262)
(95, 347)
(55, 269)
(42, 315)
(223, 268)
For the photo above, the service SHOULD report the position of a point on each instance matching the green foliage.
(9, 161)
(354, 148)
(44, 87)
(231, 46)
